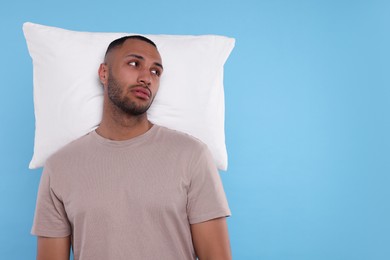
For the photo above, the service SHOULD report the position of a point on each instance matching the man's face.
(134, 71)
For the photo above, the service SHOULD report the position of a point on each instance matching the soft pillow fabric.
(68, 97)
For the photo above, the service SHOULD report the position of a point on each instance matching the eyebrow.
(142, 58)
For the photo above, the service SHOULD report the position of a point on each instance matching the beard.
(124, 103)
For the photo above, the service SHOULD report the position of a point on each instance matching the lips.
(141, 92)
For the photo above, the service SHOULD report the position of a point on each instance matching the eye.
(133, 63)
(156, 72)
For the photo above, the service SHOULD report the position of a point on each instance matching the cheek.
(127, 74)
(155, 87)
(155, 82)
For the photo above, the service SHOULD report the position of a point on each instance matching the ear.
(103, 73)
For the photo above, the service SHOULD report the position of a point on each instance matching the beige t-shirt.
(132, 199)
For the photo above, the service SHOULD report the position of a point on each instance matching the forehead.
(137, 47)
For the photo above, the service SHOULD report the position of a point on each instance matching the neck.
(117, 125)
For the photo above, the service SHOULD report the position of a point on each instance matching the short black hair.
(119, 42)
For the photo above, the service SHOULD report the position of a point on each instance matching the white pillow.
(68, 97)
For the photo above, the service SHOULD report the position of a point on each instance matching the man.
(131, 189)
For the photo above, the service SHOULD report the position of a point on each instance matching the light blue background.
(307, 118)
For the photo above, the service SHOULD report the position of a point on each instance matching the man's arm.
(53, 248)
(211, 240)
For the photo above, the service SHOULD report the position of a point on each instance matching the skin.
(130, 76)
(211, 240)
(53, 248)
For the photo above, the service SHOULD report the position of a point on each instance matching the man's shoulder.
(177, 136)
(72, 149)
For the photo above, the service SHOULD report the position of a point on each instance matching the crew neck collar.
(116, 143)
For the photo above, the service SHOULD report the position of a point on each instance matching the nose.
(144, 77)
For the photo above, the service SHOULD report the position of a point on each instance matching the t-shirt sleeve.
(50, 218)
(206, 196)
